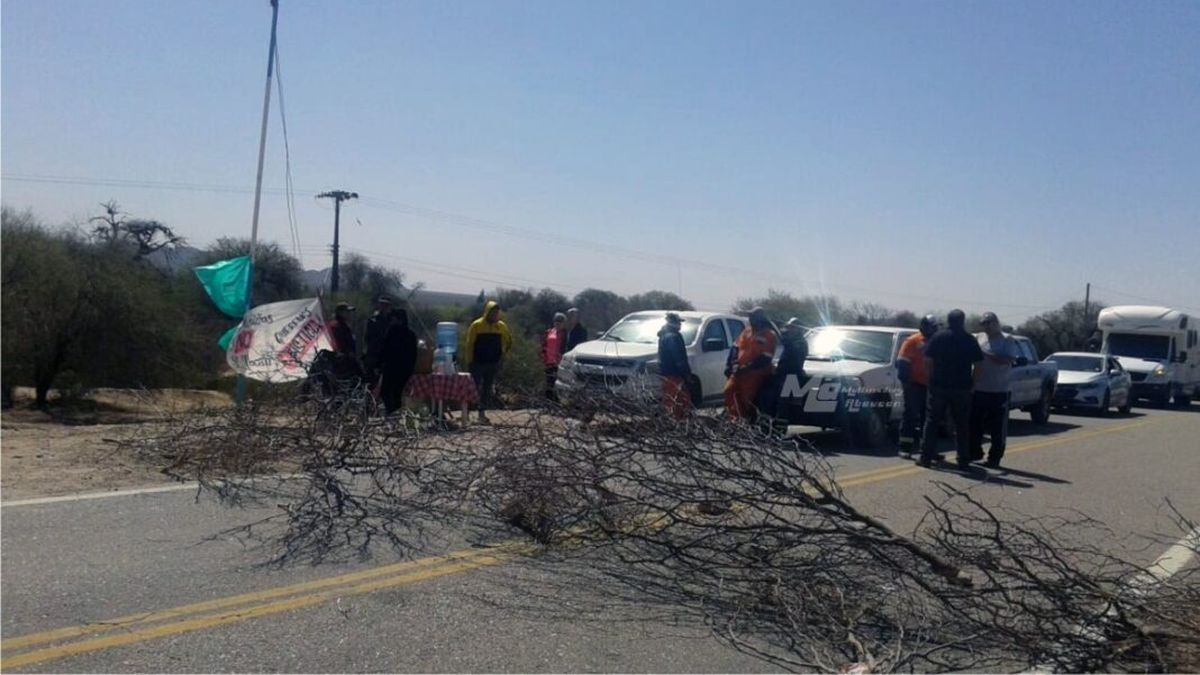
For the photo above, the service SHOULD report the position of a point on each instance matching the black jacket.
(672, 355)
(575, 336)
(399, 353)
(795, 352)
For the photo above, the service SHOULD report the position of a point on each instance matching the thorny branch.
(747, 532)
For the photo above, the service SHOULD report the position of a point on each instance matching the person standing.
(346, 370)
(488, 342)
(910, 366)
(576, 332)
(749, 365)
(674, 368)
(791, 365)
(377, 327)
(553, 343)
(397, 360)
(949, 358)
(989, 402)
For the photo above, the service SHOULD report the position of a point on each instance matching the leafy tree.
(358, 275)
(598, 310)
(277, 275)
(658, 300)
(811, 310)
(86, 309)
(546, 303)
(1066, 328)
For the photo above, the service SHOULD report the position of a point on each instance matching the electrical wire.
(289, 189)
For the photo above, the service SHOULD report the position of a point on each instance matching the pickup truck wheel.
(869, 429)
(1040, 413)
(1182, 401)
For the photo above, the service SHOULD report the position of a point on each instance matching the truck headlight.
(1159, 372)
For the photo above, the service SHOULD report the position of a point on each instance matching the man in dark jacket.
(950, 357)
(377, 327)
(791, 365)
(576, 332)
(674, 369)
(398, 360)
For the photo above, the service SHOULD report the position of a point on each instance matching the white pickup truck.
(1031, 383)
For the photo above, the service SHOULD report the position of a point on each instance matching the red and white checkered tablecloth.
(438, 387)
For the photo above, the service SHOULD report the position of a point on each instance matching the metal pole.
(337, 220)
(262, 149)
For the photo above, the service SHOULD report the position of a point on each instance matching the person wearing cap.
(553, 345)
(791, 365)
(674, 368)
(989, 402)
(377, 327)
(910, 367)
(950, 357)
(749, 365)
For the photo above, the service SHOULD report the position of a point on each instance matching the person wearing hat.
(377, 327)
(989, 402)
(910, 367)
(674, 368)
(749, 365)
(553, 343)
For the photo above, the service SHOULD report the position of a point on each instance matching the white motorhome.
(1160, 347)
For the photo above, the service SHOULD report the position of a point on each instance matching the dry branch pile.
(748, 531)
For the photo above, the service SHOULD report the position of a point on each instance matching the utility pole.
(1087, 300)
(338, 196)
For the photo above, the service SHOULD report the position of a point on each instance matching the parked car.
(852, 383)
(1031, 382)
(624, 360)
(1095, 381)
(1159, 346)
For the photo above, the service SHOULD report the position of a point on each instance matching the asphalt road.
(116, 584)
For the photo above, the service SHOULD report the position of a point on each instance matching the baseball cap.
(343, 306)
(989, 317)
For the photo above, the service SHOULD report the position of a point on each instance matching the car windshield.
(1081, 364)
(644, 328)
(833, 344)
(1139, 346)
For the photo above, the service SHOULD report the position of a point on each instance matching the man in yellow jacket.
(488, 341)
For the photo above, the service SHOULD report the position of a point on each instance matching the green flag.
(224, 340)
(226, 282)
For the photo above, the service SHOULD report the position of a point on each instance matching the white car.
(624, 360)
(1095, 381)
(852, 383)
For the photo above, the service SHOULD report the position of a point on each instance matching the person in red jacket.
(553, 344)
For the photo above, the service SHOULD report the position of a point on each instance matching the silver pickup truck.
(1031, 383)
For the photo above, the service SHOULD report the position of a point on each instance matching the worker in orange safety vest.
(749, 365)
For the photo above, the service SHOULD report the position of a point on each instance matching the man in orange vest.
(750, 365)
(910, 366)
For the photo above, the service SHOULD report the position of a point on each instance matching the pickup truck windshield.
(1079, 364)
(1139, 346)
(645, 329)
(835, 344)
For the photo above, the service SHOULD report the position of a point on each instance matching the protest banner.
(277, 342)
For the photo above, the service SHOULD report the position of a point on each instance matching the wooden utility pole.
(338, 196)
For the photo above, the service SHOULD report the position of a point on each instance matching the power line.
(564, 240)
(290, 196)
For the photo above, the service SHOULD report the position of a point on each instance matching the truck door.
(708, 361)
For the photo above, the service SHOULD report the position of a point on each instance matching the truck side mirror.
(1021, 362)
(712, 345)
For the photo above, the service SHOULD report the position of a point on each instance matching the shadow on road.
(1019, 428)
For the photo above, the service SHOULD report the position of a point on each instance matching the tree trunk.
(43, 391)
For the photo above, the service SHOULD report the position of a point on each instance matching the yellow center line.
(296, 596)
(287, 605)
(235, 600)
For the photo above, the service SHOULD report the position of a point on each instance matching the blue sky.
(917, 154)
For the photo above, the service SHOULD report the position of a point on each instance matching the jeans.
(914, 415)
(958, 402)
(989, 413)
(484, 375)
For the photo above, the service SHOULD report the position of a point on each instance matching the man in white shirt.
(989, 402)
